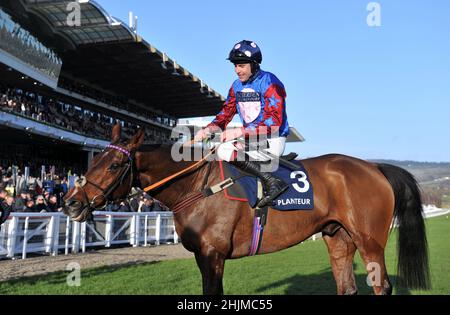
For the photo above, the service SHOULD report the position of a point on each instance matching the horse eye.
(114, 166)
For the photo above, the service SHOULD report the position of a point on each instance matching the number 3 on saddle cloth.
(299, 196)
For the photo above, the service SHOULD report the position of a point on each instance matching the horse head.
(109, 177)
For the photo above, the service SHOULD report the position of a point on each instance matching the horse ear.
(116, 134)
(137, 140)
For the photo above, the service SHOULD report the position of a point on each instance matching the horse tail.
(412, 247)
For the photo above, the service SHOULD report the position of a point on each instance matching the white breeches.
(225, 151)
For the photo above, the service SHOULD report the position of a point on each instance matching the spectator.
(64, 185)
(46, 195)
(5, 208)
(134, 204)
(159, 206)
(7, 182)
(52, 205)
(123, 207)
(20, 204)
(40, 206)
(148, 204)
(3, 195)
(30, 206)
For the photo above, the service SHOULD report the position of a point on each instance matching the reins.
(182, 172)
(205, 191)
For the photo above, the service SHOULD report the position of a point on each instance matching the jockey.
(259, 99)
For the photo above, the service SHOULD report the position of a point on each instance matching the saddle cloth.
(299, 195)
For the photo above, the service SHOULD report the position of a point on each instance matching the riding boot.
(273, 186)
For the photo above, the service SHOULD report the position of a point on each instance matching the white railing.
(429, 211)
(54, 233)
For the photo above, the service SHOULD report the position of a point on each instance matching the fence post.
(25, 238)
(175, 235)
(49, 234)
(75, 237)
(12, 236)
(108, 230)
(146, 230)
(158, 229)
(83, 237)
(3, 235)
(56, 227)
(133, 231)
(137, 227)
(66, 249)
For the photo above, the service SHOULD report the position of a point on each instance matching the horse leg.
(211, 266)
(372, 254)
(342, 251)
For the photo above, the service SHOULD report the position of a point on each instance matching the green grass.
(303, 269)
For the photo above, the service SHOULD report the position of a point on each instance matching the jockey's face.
(243, 71)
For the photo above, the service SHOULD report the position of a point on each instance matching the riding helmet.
(245, 51)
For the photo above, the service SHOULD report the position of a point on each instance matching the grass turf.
(302, 269)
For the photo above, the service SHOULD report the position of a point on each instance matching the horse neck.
(155, 166)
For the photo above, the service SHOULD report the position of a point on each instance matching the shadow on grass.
(323, 283)
(59, 277)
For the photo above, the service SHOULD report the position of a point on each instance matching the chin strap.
(255, 72)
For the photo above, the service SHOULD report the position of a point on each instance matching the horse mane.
(166, 149)
(151, 147)
(159, 146)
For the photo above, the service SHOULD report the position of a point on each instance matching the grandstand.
(63, 87)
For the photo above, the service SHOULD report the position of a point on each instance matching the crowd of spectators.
(20, 43)
(66, 161)
(71, 117)
(115, 101)
(40, 196)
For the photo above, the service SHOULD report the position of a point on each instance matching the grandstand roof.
(105, 52)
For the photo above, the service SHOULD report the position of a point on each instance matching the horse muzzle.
(77, 211)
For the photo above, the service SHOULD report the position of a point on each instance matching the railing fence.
(55, 233)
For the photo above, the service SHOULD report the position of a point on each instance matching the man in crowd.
(148, 204)
(52, 205)
(21, 201)
(6, 202)
(30, 206)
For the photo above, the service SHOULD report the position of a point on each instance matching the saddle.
(299, 196)
(249, 189)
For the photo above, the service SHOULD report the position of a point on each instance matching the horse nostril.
(72, 204)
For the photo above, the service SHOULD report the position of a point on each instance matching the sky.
(373, 92)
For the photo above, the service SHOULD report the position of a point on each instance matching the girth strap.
(259, 222)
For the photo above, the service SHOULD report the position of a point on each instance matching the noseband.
(106, 192)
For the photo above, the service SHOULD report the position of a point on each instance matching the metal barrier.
(52, 233)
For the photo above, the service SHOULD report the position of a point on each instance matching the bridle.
(106, 192)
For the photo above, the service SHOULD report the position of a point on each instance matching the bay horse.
(355, 203)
